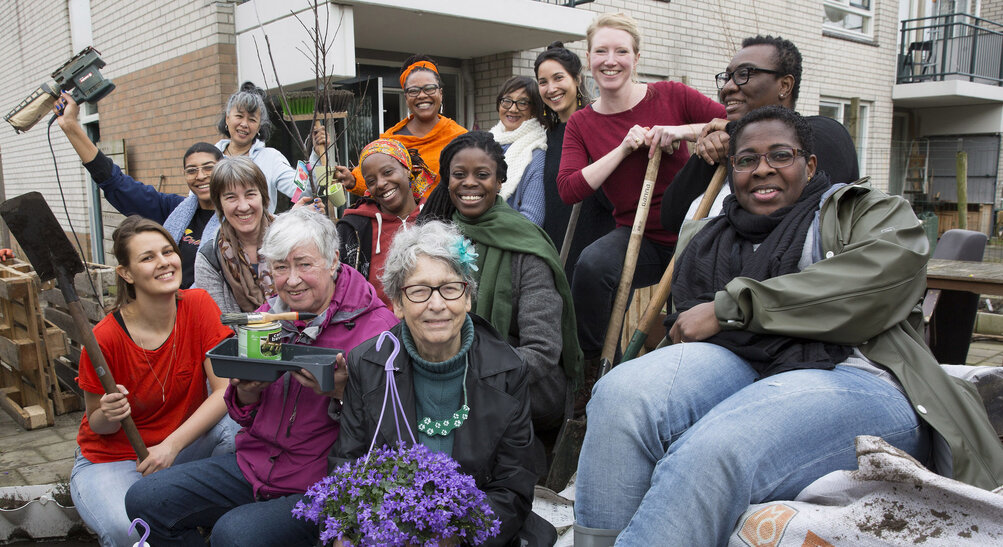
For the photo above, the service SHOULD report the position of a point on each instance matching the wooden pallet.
(29, 388)
(94, 299)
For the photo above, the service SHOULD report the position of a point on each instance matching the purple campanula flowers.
(401, 496)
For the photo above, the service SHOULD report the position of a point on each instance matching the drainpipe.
(466, 72)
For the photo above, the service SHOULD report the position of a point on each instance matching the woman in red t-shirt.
(607, 145)
(154, 341)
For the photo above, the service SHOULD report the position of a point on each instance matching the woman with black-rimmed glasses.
(464, 391)
(425, 129)
(792, 329)
(522, 134)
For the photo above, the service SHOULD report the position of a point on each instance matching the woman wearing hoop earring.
(562, 86)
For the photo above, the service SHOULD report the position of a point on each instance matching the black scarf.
(723, 250)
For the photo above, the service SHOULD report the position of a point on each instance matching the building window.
(841, 111)
(850, 17)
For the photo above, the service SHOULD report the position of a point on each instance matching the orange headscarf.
(420, 64)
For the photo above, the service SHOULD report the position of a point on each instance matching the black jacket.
(493, 445)
(356, 235)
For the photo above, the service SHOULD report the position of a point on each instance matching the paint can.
(260, 341)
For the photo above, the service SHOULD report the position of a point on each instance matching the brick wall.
(163, 109)
(992, 10)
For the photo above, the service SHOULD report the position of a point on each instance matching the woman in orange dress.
(425, 129)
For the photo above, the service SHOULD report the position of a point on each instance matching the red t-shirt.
(177, 363)
(591, 135)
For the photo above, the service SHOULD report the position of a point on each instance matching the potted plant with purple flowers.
(399, 496)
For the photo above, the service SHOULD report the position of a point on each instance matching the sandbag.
(891, 499)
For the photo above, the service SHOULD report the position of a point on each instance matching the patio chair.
(918, 62)
(950, 315)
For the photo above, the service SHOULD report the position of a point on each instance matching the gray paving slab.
(20, 457)
(62, 450)
(11, 477)
(47, 473)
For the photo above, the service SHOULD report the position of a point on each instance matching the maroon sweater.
(590, 136)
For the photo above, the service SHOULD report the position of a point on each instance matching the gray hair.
(300, 226)
(434, 239)
(250, 99)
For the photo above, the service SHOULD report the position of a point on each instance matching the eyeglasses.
(448, 291)
(506, 103)
(192, 172)
(429, 90)
(777, 159)
(740, 76)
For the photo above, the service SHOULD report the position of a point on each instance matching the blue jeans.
(597, 275)
(98, 489)
(682, 440)
(213, 494)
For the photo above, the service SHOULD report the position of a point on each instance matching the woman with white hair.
(288, 426)
(464, 390)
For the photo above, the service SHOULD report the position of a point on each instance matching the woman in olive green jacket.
(795, 311)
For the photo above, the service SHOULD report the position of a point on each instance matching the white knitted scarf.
(527, 137)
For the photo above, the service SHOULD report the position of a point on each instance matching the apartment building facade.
(175, 62)
(948, 98)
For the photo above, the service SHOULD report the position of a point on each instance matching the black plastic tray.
(319, 361)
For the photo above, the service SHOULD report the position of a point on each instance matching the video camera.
(80, 74)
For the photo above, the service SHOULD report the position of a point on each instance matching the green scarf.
(498, 233)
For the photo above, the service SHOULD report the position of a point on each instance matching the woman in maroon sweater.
(608, 144)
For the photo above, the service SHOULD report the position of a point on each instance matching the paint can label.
(260, 341)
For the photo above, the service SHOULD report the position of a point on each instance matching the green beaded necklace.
(446, 426)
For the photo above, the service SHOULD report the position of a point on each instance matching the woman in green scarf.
(523, 291)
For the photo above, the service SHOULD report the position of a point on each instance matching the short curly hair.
(788, 58)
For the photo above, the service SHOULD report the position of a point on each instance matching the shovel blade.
(41, 237)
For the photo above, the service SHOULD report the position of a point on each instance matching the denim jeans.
(680, 441)
(214, 494)
(98, 489)
(597, 275)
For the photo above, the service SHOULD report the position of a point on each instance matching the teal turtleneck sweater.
(438, 387)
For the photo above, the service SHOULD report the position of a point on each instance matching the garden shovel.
(665, 285)
(52, 255)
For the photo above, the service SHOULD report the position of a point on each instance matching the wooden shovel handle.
(569, 234)
(630, 259)
(104, 375)
(664, 287)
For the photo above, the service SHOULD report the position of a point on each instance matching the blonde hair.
(618, 21)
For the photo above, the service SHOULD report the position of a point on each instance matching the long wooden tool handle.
(104, 375)
(569, 234)
(661, 293)
(629, 263)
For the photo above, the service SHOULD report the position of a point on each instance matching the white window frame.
(849, 7)
(863, 121)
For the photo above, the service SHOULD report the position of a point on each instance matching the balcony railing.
(957, 46)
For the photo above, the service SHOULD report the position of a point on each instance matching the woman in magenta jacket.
(289, 426)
